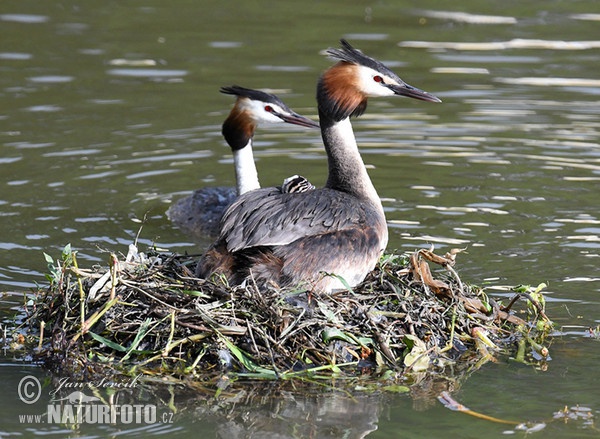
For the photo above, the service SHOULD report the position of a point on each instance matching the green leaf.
(329, 334)
(245, 361)
(521, 288)
(417, 358)
(328, 313)
(365, 341)
(336, 334)
(411, 341)
(106, 342)
(66, 253)
(396, 388)
(194, 293)
(143, 330)
(343, 281)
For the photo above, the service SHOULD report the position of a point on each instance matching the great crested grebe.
(200, 213)
(289, 239)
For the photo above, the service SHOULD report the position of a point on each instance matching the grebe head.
(343, 89)
(252, 108)
(296, 184)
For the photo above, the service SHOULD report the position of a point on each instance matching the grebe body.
(200, 213)
(285, 240)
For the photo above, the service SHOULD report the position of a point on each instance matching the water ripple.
(24, 18)
(147, 73)
(51, 79)
(517, 43)
(15, 56)
(463, 17)
(551, 82)
(588, 17)
(44, 108)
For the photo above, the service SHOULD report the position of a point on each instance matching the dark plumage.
(199, 214)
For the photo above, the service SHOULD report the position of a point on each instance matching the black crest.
(255, 95)
(354, 56)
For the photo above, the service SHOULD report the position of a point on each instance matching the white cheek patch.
(259, 114)
(372, 88)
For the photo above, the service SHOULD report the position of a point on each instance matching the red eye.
(269, 109)
(377, 78)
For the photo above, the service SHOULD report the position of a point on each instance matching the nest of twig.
(149, 314)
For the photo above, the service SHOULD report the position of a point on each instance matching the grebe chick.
(287, 239)
(199, 214)
(296, 184)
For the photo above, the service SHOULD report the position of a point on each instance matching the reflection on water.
(113, 110)
(147, 73)
(24, 18)
(505, 45)
(464, 17)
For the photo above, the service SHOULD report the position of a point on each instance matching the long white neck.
(347, 172)
(246, 176)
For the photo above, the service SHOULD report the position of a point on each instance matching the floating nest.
(147, 314)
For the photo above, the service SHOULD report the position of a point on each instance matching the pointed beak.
(296, 119)
(413, 92)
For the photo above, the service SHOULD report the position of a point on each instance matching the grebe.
(200, 213)
(288, 239)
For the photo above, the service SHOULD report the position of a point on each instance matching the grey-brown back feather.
(266, 217)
